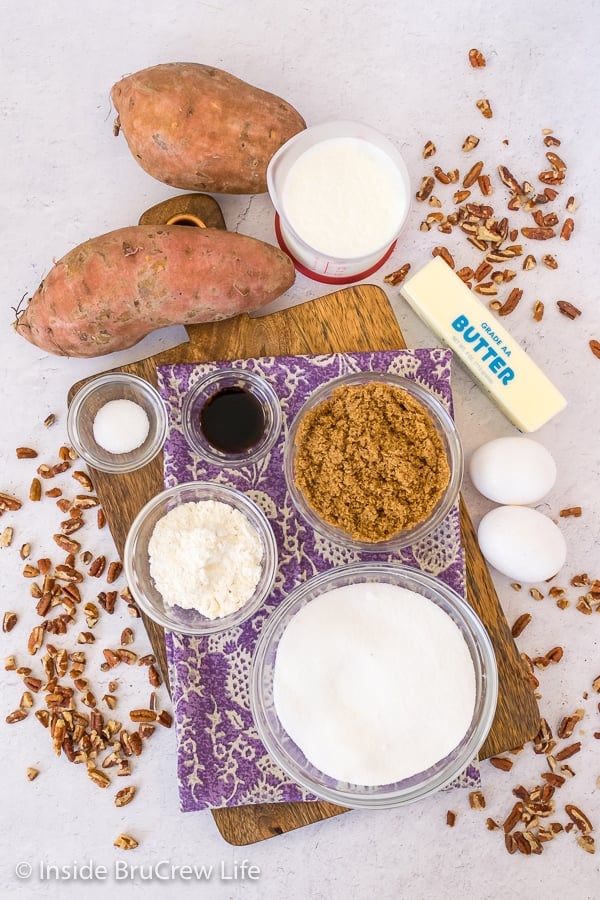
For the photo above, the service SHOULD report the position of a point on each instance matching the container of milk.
(341, 193)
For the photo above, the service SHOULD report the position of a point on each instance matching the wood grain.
(353, 319)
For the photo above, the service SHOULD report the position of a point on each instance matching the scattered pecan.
(550, 261)
(7, 501)
(7, 536)
(476, 800)
(571, 205)
(520, 624)
(125, 796)
(26, 453)
(426, 188)
(476, 58)
(114, 570)
(595, 348)
(567, 229)
(511, 302)
(484, 108)
(568, 752)
(538, 234)
(570, 511)
(470, 143)
(428, 149)
(164, 718)
(567, 309)
(97, 567)
(445, 255)
(142, 715)
(485, 185)
(579, 819)
(473, 174)
(587, 843)
(394, 278)
(126, 842)
(9, 621)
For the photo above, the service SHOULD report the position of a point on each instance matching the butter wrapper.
(487, 350)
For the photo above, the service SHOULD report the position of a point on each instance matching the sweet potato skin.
(200, 128)
(111, 291)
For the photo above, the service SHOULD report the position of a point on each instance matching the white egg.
(512, 470)
(521, 543)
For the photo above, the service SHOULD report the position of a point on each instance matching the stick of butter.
(498, 364)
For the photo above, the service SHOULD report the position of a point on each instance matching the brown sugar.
(370, 461)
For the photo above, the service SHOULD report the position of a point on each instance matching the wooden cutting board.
(352, 319)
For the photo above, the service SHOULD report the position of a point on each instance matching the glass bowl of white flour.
(200, 557)
(373, 685)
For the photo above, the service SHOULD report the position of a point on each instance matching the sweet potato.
(111, 291)
(199, 128)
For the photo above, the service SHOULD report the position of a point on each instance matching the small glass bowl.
(291, 758)
(136, 561)
(90, 398)
(446, 429)
(214, 383)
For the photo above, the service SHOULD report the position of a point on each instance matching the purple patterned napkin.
(221, 760)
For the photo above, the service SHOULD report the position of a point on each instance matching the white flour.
(374, 683)
(205, 556)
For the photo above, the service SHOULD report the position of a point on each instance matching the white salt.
(121, 426)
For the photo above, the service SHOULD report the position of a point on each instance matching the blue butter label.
(483, 343)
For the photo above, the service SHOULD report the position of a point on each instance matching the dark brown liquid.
(232, 420)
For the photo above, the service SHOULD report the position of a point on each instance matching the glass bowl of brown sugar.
(373, 461)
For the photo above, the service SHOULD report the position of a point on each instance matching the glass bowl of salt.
(117, 422)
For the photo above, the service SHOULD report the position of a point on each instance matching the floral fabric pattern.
(221, 759)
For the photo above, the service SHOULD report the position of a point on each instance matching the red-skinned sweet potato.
(111, 291)
(199, 128)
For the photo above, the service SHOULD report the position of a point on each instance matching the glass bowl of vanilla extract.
(231, 417)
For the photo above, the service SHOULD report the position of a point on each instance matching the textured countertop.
(64, 178)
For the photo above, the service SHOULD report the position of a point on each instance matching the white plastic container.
(341, 192)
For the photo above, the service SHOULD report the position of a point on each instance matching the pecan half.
(473, 174)
(567, 309)
(511, 302)
(520, 624)
(567, 229)
(579, 818)
(125, 796)
(538, 234)
(398, 276)
(9, 621)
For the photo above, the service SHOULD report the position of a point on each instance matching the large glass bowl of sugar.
(365, 732)
(341, 193)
